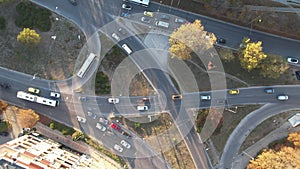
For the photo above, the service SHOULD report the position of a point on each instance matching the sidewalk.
(243, 159)
(273, 9)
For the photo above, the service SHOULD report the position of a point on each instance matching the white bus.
(127, 49)
(37, 99)
(86, 65)
(141, 2)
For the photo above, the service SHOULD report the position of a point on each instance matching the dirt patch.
(51, 59)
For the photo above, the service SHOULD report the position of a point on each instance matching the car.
(282, 97)
(125, 144)
(234, 91)
(115, 36)
(100, 127)
(176, 97)
(148, 13)
(55, 95)
(145, 99)
(297, 75)
(5, 85)
(118, 148)
(103, 120)
(125, 6)
(221, 40)
(179, 20)
(73, 2)
(92, 115)
(4, 133)
(142, 108)
(145, 19)
(205, 97)
(113, 100)
(81, 119)
(269, 90)
(33, 90)
(126, 134)
(126, 15)
(115, 126)
(292, 60)
(164, 17)
(122, 31)
(83, 99)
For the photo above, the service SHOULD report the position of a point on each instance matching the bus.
(86, 65)
(141, 2)
(33, 98)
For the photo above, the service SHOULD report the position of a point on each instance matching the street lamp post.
(251, 22)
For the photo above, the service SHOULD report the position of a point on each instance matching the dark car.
(269, 90)
(126, 15)
(4, 133)
(73, 2)
(5, 85)
(221, 40)
(164, 17)
(298, 75)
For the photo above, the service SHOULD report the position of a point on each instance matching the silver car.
(118, 148)
(100, 127)
(125, 144)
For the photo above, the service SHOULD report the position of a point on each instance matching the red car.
(115, 126)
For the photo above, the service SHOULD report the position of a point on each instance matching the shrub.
(2, 23)
(52, 125)
(4, 126)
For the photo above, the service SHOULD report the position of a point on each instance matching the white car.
(205, 97)
(55, 94)
(103, 121)
(115, 36)
(125, 6)
(81, 119)
(292, 60)
(113, 100)
(282, 97)
(100, 127)
(92, 115)
(118, 148)
(125, 144)
(142, 108)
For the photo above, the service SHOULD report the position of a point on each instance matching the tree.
(282, 156)
(77, 135)
(226, 54)
(137, 125)
(27, 118)
(3, 106)
(29, 37)
(251, 54)
(188, 38)
(2, 23)
(294, 138)
(273, 66)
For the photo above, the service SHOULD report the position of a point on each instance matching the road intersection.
(92, 15)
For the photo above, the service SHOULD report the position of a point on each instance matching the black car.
(5, 85)
(73, 2)
(4, 133)
(221, 40)
(269, 90)
(298, 75)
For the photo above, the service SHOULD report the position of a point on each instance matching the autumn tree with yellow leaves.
(188, 38)
(29, 37)
(251, 54)
(283, 157)
(27, 118)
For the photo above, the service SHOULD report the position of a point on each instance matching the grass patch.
(4, 126)
(230, 121)
(102, 84)
(265, 128)
(32, 16)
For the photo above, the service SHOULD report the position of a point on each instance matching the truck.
(162, 24)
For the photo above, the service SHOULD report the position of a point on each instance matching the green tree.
(188, 38)
(77, 135)
(29, 37)
(251, 54)
(137, 125)
(2, 23)
(273, 66)
(226, 54)
(4, 126)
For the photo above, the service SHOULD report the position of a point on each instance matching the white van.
(162, 24)
(127, 49)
